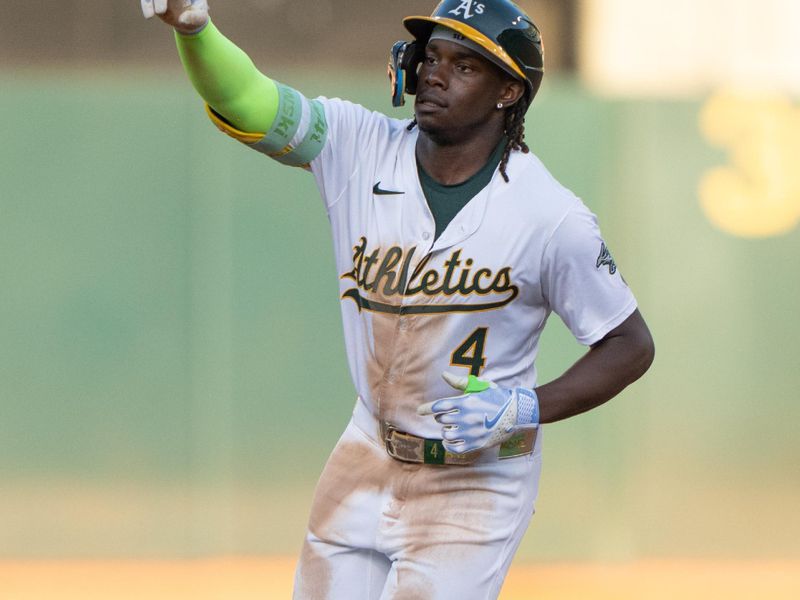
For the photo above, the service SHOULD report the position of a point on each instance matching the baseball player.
(453, 245)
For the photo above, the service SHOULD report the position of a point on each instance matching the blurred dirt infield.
(271, 578)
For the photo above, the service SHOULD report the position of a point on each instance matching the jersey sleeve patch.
(581, 281)
(297, 135)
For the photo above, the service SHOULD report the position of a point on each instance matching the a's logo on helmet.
(469, 9)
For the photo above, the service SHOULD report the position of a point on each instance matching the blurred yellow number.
(758, 194)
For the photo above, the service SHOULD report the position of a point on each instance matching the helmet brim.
(421, 28)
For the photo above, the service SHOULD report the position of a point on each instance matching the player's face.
(459, 90)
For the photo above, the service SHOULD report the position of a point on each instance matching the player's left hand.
(485, 415)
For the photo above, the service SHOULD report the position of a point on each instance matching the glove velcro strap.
(527, 407)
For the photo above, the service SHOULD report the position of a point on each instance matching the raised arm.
(222, 74)
(267, 116)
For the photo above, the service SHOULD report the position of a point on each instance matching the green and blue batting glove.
(485, 415)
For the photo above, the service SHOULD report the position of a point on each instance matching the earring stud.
(499, 105)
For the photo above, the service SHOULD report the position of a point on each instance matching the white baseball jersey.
(475, 300)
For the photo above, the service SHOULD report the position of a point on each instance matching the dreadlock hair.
(514, 131)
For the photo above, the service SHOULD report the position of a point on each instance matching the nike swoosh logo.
(376, 189)
(489, 424)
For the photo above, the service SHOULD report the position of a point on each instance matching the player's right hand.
(187, 16)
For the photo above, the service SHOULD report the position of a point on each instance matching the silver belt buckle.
(414, 449)
(402, 446)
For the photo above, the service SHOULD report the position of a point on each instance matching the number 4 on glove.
(485, 415)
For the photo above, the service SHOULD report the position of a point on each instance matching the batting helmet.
(500, 27)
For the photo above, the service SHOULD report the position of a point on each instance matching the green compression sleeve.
(228, 80)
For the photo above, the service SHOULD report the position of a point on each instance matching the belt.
(411, 448)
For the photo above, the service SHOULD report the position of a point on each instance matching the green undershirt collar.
(445, 201)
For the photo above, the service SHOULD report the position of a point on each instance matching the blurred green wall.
(172, 373)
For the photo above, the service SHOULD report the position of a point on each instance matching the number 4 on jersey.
(470, 353)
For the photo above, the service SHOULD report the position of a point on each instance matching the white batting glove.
(486, 415)
(187, 16)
